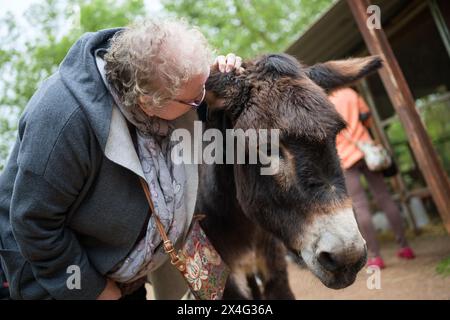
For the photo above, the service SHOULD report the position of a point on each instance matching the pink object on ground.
(376, 262)
(406, 253)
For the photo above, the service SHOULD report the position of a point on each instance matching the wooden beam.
(404, 104)
(398, 183)
(440, 24)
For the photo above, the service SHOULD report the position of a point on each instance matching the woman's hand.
(111, 291)
(228, 63)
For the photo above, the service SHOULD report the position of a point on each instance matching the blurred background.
(35, 35)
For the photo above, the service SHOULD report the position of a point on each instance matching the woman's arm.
(46, 185)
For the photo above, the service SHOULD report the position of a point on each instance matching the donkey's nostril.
(329, 261)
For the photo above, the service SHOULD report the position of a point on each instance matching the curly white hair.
(155, 57)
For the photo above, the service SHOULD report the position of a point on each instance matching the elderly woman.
(74, 220)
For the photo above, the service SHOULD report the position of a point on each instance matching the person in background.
(357, 115)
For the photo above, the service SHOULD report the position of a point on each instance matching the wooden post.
(404, 104)
(398, 183)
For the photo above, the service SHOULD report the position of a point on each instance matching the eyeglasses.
(197, 102)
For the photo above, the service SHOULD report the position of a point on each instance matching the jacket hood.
(80, 75)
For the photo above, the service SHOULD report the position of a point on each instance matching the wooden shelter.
(414, 43)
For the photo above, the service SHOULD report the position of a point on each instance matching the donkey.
(253, 219)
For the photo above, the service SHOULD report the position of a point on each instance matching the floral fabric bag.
(200, 264)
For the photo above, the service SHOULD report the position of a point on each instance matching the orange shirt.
(349, 104)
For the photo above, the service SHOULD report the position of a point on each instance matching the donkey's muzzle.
(334, 249)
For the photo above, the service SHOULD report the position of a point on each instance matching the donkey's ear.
(214, 101)
(217, 89)
(225, 90)
(334, 74)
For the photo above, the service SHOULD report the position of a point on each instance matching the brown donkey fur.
(253, 219)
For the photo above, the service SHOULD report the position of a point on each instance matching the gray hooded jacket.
(70, 197)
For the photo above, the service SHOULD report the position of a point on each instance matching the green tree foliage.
(434, 112)
(249, 27)
(32, 51)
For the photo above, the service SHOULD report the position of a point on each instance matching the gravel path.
(413, 279)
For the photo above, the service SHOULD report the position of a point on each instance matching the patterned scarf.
(167, 182)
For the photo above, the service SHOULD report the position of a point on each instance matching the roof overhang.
(335, 34)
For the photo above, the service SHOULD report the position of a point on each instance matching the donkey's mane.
(275, 92)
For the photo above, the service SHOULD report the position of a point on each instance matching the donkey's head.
(304, 203)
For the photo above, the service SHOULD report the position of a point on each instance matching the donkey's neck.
(227, 226)
(219, 179)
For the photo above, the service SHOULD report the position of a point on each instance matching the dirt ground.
(413, 279)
